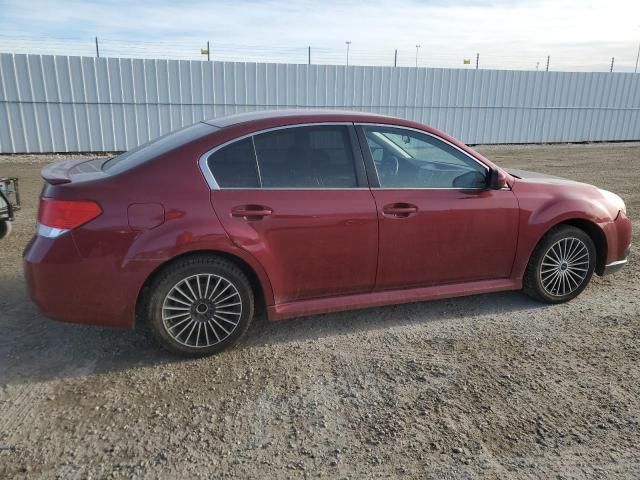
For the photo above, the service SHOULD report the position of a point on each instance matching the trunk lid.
(73, 170)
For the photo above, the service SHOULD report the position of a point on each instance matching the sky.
(577, 35)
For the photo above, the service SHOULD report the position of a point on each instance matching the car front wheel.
(561, 265)
(199, 306)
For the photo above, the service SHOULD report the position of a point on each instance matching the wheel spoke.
(206, 333)
(195, 297)
(174, 299)
(198, 284)
(191, 299)
(227, 305)
(551, 254)
(547, 281)
(576, 278)
(215, 288)
(213, 329)
(186, 340)
(177, 315)
(578, 256)
(221, 292)
(226, 298)
(177, 324)
(221, 327)
(206, 289)
(182, 331)
(226, 320)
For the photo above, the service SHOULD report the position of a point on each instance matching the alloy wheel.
(564, 267)
(202, 310)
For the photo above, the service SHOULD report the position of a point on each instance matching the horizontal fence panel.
(76, 104)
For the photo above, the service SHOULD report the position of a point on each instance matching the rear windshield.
(156, 147)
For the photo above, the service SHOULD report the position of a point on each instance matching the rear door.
(438, 222)
(296, 198)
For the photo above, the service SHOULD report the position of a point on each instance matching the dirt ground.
(491, 386)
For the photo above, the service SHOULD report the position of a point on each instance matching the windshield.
(156, 147)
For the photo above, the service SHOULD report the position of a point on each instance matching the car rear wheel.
(561, 265)
(200, 306)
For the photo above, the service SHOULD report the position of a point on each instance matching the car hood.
(540, 177)
(563, 187)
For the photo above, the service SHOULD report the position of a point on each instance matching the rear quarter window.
(156, 147)
(234, 166)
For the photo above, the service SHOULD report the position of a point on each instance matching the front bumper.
(618, 235)
(613, 267)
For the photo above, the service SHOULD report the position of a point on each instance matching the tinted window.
(306, 157)
(234, 166)
(409, 159)
(154, 148)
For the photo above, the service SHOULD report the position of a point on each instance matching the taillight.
(56, 217)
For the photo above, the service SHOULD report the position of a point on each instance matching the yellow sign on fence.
(466, 61)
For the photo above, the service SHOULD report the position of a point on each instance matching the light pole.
(348, 42)
(637, 58)
(417, 48)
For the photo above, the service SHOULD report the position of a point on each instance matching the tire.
(199, 306)
(561, 265)
(5, 228)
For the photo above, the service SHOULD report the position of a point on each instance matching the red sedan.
(301, 213)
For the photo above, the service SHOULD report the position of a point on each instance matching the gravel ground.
(485, 386)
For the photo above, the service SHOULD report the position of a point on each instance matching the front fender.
(543, 208)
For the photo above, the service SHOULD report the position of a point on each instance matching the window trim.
(356, 153)
(371, 167)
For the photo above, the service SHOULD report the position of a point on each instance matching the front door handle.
(399, 210)
(251, 212)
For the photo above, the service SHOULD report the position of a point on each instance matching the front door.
(296, 199)
(438, 222)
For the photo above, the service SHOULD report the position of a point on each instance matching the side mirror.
(496, 180)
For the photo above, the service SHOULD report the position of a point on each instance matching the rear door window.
(306, 157)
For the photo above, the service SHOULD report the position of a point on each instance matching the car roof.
(293, 116)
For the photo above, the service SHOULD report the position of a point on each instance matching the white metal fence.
(71, 104)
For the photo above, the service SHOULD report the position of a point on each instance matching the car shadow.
(35, 349)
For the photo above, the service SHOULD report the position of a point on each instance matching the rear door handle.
(399, 210)
(251, 212)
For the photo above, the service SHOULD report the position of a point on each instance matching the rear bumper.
(69, 288)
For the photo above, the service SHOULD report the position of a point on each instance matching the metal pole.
(395, 59)
(348, 43)
(477, 60)
(417, 48)
(635, 70)
(309, 54)
(208, 52)
(548, 59)
(612, 60)
(97, 48)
